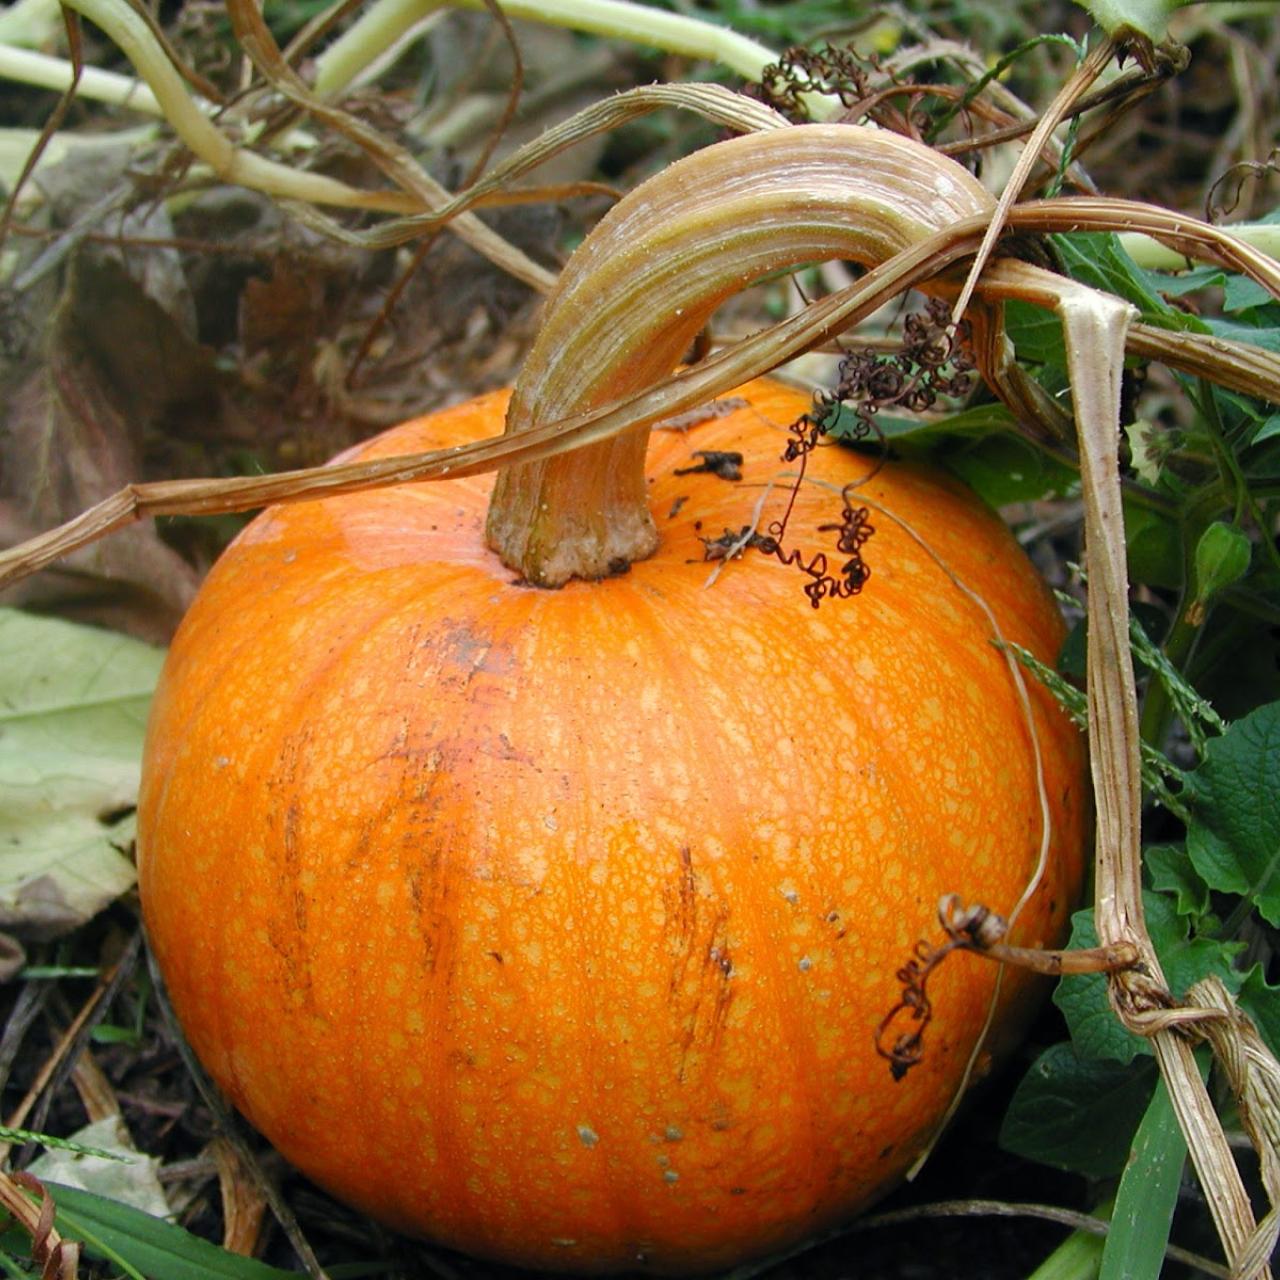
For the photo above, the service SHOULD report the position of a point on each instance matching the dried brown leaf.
(112, 365)
(244, 1206)
(58, 1258)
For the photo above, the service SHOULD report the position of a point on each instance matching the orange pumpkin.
(556, 926)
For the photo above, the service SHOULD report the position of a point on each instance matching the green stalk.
(1154, 256)
(385, 22)
(29, 22)
(136, 41)
(1184, 634)
(16, 146)
(1078, 1257)
(42, 71)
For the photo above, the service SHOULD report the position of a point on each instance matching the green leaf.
(1264, 336)
(980, 420)
(1261, 1001)
(1171, 871)
(1269, 429)
(1004, 469)
(1036, 334)
(1222, 559)
(1076, 1113)
(1154, 545)
(1175, 286)
(157, 1249)
(73, 707)
(1234, 838)
(1147, 1196)
(1095, 1031)
(1098, 259)
(1243, 294)
(1239, 293)
(1242, 417)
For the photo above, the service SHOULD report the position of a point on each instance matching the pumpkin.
(556, 926)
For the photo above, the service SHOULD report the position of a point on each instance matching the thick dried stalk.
(713, 102)
(677, 394)
(1094, 326)
(1254, 371)
(1254, 1075)
(1194, 239)
(645, 282)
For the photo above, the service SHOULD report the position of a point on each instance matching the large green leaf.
(1095, 1030)
(1171, 871)
(1261, 1001)
(1006, 468)
(1234, 839)
(1077, 1113)
(73, 707)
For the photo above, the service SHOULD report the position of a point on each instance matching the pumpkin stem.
(647, 279)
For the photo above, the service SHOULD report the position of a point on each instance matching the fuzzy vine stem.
(44, 71)
(386, 22)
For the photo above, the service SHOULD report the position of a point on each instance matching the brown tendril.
(972, 928)
(1233, 181)
(934, 360)
(860, 84)
(978, 929)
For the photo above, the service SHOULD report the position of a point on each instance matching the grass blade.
(141, 1244)
(1135, 1247)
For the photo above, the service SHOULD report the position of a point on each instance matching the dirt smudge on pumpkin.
(465, 652)
(293, 864)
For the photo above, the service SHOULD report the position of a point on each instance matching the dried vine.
(978, 929)
(933, 360)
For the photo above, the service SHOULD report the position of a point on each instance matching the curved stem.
(645, 282)
(43, 71)
(234, 163)
(231, 163)
(385, 22)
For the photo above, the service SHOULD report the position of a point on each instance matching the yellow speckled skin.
(555, 925)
